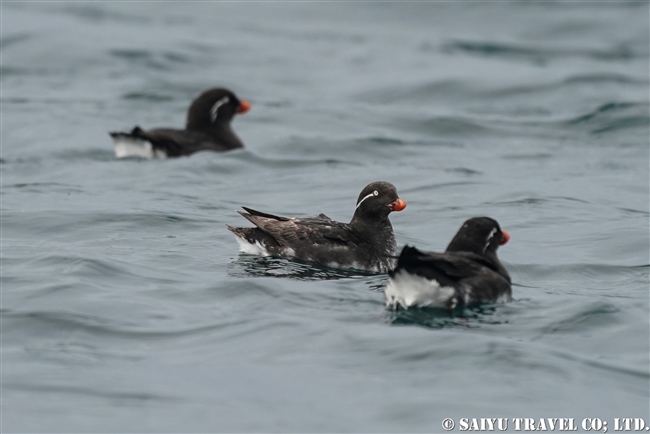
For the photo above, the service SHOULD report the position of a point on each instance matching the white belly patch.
(128, 147)
(409, 290)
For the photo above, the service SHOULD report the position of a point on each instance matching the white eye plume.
(374, 193)
(214, 111)
(489, 239)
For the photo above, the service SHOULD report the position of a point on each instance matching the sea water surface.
(127, 308)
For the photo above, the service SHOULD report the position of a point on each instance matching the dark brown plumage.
(207, 129)
(468, 272)
(366, 243)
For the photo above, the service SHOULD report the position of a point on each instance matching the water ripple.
(614, 116)
(600, 314)
(40, 322)
(539, 55)
(134, 398)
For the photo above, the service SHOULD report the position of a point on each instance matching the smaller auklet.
(366, 243)
(207, 129)
(469, 271)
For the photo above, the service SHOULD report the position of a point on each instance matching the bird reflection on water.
(436, 318)
(255, 266)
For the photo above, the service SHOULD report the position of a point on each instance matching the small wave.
(537, 55)
(613, 116)
(42, 322)
(600, 314)
(559, 200)
(42, 223)
(275, 163)
(40, 187)
(538, 201)
(605, 78)
(606, 366)
(387, 141)
(448, 126)
(51, 101)
(435, 91)
(533, 156)
(464, 171)
(95, 13)
(635, 211)
(602, 109)
(60, 389)
(437, 186)
(455, 89)
(575, 272)
(536, 356)
(162, 61)
(95, 154)
(559, 86)
(16, 38)
(131, 54)
(147, 96)
(8, 71)
(88, 267)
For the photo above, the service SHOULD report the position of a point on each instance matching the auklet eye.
(376, 193)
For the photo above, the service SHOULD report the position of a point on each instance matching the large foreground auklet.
(468, 272)
(366, 243)
(207, 129)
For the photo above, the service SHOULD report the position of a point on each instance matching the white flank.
(288, 252)
(408, 290)
(127, 147)
(251, 249)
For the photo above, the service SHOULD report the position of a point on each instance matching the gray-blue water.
(127, 308)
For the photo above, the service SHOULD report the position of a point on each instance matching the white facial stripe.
(489, 238)
(361, 201)
(214, 111)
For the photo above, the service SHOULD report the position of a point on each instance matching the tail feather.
(233, 229)
(409, 252)
(263, 214)
(406, 257)
(254, 241)
(136, 133)
(251, 218)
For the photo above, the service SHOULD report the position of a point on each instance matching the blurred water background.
(127, 308)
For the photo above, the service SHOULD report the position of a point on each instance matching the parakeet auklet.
(468, 272)
(366, 243)
(207, 129)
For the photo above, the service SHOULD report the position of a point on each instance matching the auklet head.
(214, 106)
(377, 200)
(480, 235)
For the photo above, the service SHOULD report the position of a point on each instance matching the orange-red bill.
(398, 205)
(505, 238)
(244, 106)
